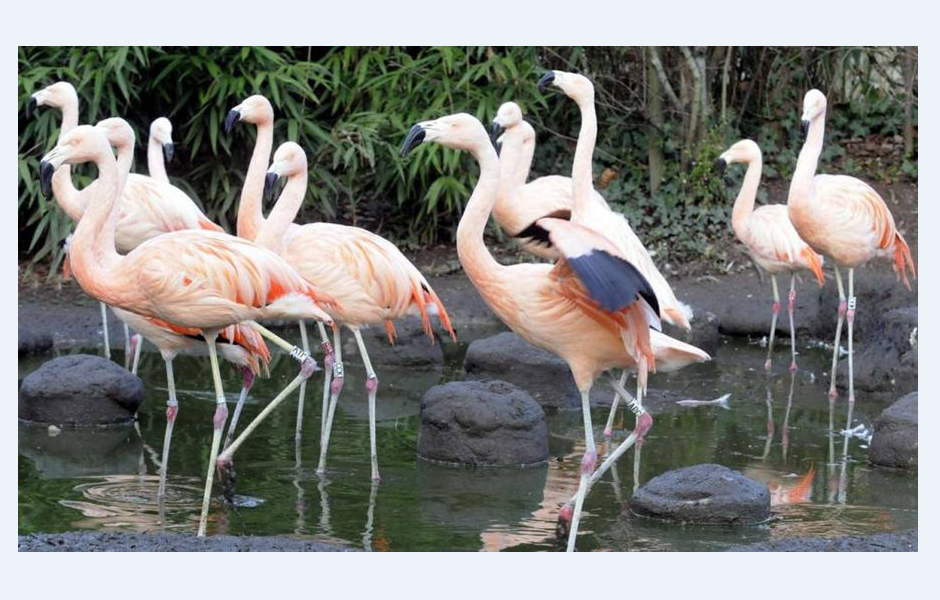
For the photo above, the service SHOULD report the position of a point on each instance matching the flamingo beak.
(31, 106)
(168, 151)
(270, 181)
(233, 116)
(46, 169)
(499, 146)
(413, 139)
(804, 127)
(721, 164)
(546, 80)
(495, 128)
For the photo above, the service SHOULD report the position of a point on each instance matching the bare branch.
(661, 73)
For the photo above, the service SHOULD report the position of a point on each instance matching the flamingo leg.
(587, 467)
(785, 435)
(773, 324)
(136, 342)
(335, 388)
(248, 379)
(328, 360)
(608, 429)
(370, 518)
(791, 301)
(298, 428)
(835, 348)
(372, 384)
(639, 442)
(850, 319)
(104, 327)
(218, 420)
(770, 422)
(172, 406)
(127, 346)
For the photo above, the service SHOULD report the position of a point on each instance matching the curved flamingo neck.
(65, 192)
(510, 159)
(274, 228)
(582, 180)
(744, 203)
(155, 164)
(250, 218)
(92, 255)
(477, 261)
(801, 186)
(526, 156)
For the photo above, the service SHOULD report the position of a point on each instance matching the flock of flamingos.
(143, 247)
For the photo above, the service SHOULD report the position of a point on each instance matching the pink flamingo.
(160, 148)
(592, 308)
(769, 236)
(146, 209)
(844, 219)
(365, 273)
(190, 279)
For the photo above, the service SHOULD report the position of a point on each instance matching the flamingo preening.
(366, 274)
(846, 220)
(189, 280)
(769, 237)
(593, 308)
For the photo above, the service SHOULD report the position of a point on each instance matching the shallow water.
(107, 479)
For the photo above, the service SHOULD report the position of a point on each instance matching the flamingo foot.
(563, 524)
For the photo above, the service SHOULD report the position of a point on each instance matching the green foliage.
(350, 107)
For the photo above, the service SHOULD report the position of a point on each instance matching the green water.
(107, 479)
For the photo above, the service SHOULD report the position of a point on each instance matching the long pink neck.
(155, 165)
(477, 261)
(510, 157)
(801, 186)
(526, 155)
(250, 218)
(65, 192)
(582, 180)
(744, 204)
(93, 255)
(272, 232)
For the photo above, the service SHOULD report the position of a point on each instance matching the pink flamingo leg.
(835, 348)
(335, 388)
(372, 384)
(218, 421)
(248, 379)
(773, 325)
(791, 302)
(608, 429)
(104, 327)
(137, 342)
(172, 406)
(298, 428)
(850, 319)
(328, 360)
(587, 467)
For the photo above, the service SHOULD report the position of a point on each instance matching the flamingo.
(364, 272)
(769, 236)
(846, 220)
(190, 279)
(146, 208)
(160, 148)
(592, 308)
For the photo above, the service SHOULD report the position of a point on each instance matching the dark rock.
(705, 332)
(887, 361)
(479, 423)
(80, 389)
(703, 494)
(412, 347)
(32, 341)
(96, 541)
(80, 452)
(894, 441)
(904, 541)
(876, 291)
(508, 357)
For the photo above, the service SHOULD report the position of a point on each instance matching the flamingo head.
(458, 131)
(577, 87)
(80, 145)
(508, 115)
(57, 95)
(814, 106)
(289, 160)
(161, 130)
(118, 132)
(255, 110)
(744, 151)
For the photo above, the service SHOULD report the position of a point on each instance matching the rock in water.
(704, 334)
(703, 494)
(894, 442)
(32, 341)
(478, 423)
(508, 357)
(80, 389)
(888, 361)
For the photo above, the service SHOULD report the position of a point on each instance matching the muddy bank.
(93, 541)
(904, 541)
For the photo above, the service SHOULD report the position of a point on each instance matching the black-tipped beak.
(45, 178)
(231, 118)
(168, 151)
(495, 128)
(412, 140)
(546, 80)
(31, 106)
(804, 128)
(721, 165)
(270, 182)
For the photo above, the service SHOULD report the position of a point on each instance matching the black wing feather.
(612, 281)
